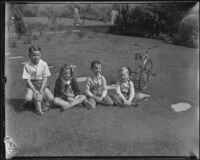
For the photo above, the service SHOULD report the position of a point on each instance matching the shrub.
(152, 19)
(20, 27)
(188, 31)
(13, 43)
(28, 38)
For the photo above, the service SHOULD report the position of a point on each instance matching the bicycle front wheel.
(146, 74)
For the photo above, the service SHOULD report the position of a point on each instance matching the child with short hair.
(96, 87)
(67, 93)
(124, 89)
(36, 73)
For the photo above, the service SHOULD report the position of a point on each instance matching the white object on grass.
(142, 95)
(16, 57)
(182, 106)
(81, 79)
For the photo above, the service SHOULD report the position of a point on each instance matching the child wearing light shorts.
(36, 73)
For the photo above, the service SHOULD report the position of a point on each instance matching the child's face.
(35, 57)
(96, 69)
(66, 75)
(123, 76)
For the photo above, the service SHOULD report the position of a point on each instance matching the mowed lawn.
(152, 129)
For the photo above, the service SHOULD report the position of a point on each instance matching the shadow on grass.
(18, 105)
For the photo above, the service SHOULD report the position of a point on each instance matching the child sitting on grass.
(36, 73)
(124, 89)
(96, 87)
(67, 92)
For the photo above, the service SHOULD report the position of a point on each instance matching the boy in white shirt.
(36, 73)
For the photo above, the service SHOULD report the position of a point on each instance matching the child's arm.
(87, 90)
(45, 76)
(105, 90)
(132, 92)
(44, 82)
(118, 90)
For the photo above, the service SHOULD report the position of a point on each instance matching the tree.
(17, 12)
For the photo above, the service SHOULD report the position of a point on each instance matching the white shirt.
(38, 71)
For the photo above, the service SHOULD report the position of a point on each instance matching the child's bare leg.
(48, 95)
(82, 98)
(78, 100)
(60, 102)
(118, 101)
(39, 108)
(28, 95)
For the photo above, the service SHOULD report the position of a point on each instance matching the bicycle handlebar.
(147, 49)
(152, 47)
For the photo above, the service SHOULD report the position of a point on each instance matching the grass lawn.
(152, 129)
(65, 21)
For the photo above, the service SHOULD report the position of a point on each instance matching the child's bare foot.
(64, 107)
(88, 105)
(39, 111)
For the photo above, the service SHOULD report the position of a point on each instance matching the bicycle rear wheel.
(146, 74)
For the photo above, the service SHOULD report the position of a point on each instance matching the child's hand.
(35, 92)
(71, 99)
(38, 96)
(127, 102)
(70, 95)
(98, 99)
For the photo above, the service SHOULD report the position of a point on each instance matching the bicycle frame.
(140, 68)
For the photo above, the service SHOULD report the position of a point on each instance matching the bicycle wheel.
(148, 67)
(146, 74)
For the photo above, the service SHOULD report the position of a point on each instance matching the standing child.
(96, 87)
(124, 89)
(36, 73)
(67, 92)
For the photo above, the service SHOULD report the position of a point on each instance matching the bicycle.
(143, 70)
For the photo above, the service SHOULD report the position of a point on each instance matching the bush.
(188, 31)
(152, 19)
(20, 26)
(31, 11)
(13, 43)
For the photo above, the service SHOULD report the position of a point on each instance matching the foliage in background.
(188, 31)
(167, 21)
(17, 16)
(160, 21)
